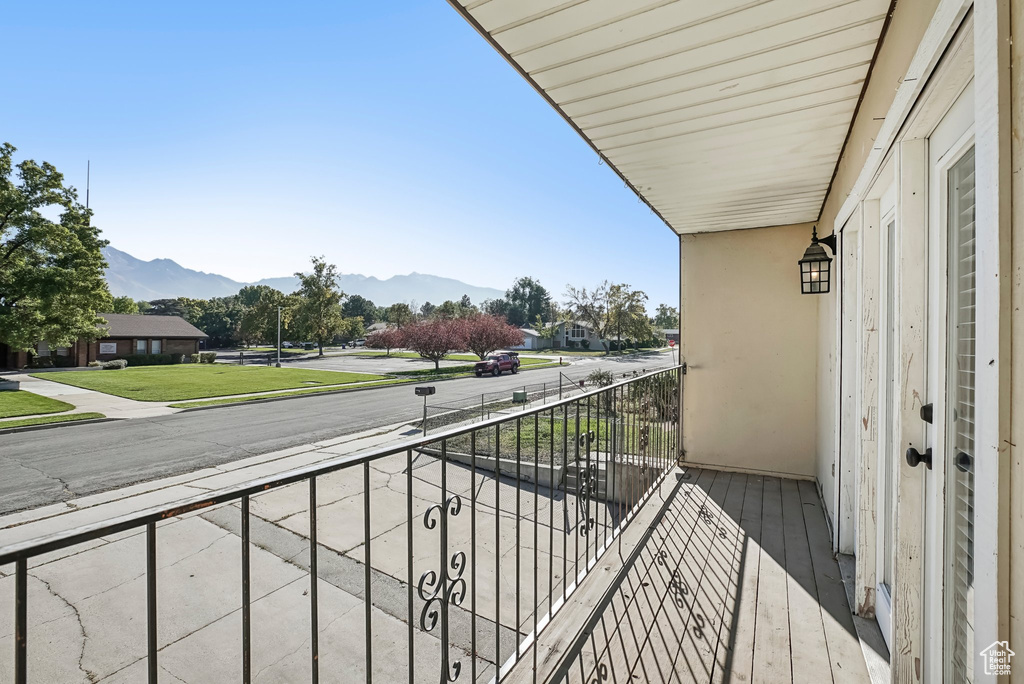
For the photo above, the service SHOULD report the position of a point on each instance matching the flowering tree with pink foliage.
(434, 340)
(387, 339)
(484, 334)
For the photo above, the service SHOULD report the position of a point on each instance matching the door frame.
(960, 137)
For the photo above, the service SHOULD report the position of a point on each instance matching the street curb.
(46, 426)
(337, 391)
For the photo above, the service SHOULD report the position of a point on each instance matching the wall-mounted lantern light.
(816, 265)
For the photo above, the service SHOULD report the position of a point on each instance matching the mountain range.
(166, 279)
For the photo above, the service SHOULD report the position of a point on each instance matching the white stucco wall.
(750, 340)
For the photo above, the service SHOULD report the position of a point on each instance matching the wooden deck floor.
(734, 582)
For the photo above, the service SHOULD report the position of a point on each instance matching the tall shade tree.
(259, 319)
(387, 339)
(221, 320)
(399, 315)
(318, 314)
(125, 305)
(483, 334)
(435, 339)
(352, 328)
(356, 305)
(527, 299)
(627, 313)
(666, 316)
(592, 308)
(51, 271)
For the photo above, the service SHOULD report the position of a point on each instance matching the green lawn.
(201, 381)
(21, 403)
(68, 418)
(275, 395)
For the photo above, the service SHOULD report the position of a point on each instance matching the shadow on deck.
(732, 580)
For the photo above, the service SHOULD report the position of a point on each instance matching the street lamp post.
(278, 337)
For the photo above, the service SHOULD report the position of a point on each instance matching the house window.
(578, 331)
(62, 351)
(140, 346)
(43, 348)
(154, 346)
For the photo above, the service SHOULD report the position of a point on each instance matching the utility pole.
(278, 337)
(88, 170)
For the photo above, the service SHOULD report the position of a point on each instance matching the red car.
(496, 364)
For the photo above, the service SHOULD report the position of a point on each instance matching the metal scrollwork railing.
(514, 474)
(588, 484)
(443, 588)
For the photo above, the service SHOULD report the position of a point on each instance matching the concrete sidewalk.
(87, 604)
(85, 400)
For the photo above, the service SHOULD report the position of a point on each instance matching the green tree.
(356, 305)
(527, 299)
(258, 321)
(125, 305)
(318, 313)
(666, 316)
(51, 271)
(144, 306)
(428, 310)
(592, 308)
(399, 315)
(352, 328)
(220, 320)
(627, 314)
(545, 330)
(186, 307)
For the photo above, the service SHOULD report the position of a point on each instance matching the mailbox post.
(425, 392)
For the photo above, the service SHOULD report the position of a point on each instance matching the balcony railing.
(503, 519)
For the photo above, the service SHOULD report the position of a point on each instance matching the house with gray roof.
(125, 335)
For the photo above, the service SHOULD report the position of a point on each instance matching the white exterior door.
(949, 515)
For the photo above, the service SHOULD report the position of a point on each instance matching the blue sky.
(241, 138)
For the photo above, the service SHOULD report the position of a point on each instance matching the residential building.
(888, 127)
(125, 334)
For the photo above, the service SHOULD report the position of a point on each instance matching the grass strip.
(45, 420)
(22, 403)
(275, 395)
(201, 381)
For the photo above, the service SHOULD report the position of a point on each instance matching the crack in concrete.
(91, 676)
(176, 678)
(66, 490)
(305, 641)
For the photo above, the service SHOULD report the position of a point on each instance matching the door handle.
(964, 462)
(915, 457)
(926, 413)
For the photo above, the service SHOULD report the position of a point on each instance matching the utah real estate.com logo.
(997, 658)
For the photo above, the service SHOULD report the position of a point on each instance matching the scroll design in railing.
(588, 479)
(440, 589)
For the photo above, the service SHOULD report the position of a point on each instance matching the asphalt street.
(47, 466)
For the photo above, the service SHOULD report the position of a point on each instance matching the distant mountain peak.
(163, 278)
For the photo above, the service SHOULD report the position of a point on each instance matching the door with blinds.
(950, 522)
(961, 301)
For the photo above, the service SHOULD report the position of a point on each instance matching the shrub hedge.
(116, 364)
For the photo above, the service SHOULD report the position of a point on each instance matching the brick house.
(126, 334)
